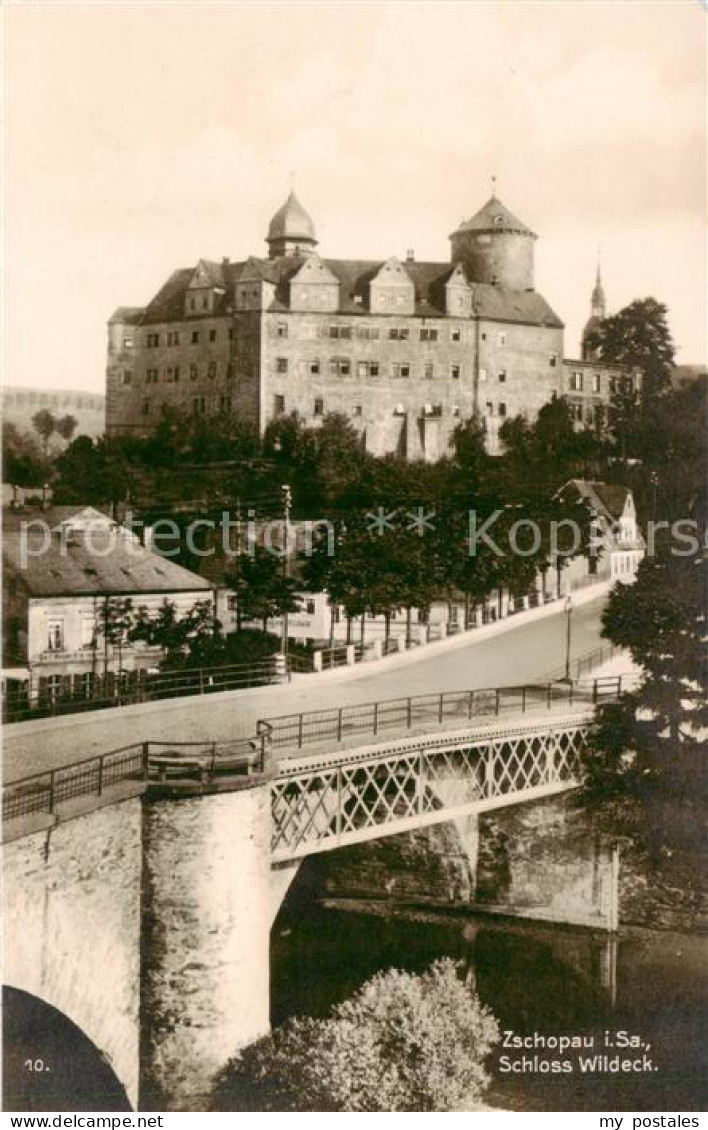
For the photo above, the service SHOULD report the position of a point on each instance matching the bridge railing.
(339, 723)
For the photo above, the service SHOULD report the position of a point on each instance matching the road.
(524, 652)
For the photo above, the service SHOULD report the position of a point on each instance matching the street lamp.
(568, 609)
(287, 503)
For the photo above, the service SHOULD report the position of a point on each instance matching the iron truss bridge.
(334, 800)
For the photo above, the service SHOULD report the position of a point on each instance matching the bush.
(403, 1042)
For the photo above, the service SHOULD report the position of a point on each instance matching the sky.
(141, 137)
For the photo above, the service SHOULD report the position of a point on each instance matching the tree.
(23, 463)
(66, 426)
(44, 424)
(403, 1042)
(649, 750)
(262, 588)
(193, 640)
(638, 336)
(116, 620)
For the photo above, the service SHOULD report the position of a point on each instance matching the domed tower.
(291, 231)
(598, 312)
(495, 248)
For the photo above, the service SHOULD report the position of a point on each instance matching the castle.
(404, 349)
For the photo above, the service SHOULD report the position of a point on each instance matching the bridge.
(141, 885)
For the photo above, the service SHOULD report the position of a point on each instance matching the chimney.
(410, 255)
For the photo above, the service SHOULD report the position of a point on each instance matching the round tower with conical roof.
(495, 248)
(291, 231)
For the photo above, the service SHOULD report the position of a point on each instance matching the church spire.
(598, 303)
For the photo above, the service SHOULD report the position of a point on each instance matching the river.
(535, 978)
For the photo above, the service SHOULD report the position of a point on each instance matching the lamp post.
(287, 504)
(568, 609)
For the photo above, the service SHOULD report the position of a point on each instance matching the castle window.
(147, 407)
(193, 372)
(231, 334)
(502, 376)
(429, 371)
(281, 365)
(127, 343)
(173, 337)
(553, 360)
(314, 367)
(199, 406)
(342, 332)
(340, 366)
(576, 382)
(230, 371)
(456, 410)
(281, 329)
(501, 337)
(613, 384)
(401, 369)
(398, 333)
(224, 403)
(151, 376)
(455, 334)
(319, 406)
(455, 372)
(211, 372)
(596, 383)
(278, 405)
(192, 304)
(482, 374)
(577, 412)
(153, 340)
(502, 409)
(484, 337)
(368, 333)
(368, 369)
(212, 335)
(195, 337)
(357, 410)
(428, 335)
(489, 408)
(205, 303)
(126, 377)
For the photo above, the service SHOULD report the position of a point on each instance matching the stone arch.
(49, 1063)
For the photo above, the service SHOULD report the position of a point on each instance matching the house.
(62, 567)
(619, 541)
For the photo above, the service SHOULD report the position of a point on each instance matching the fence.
(373, 718)
(25, 701)
(585, 663)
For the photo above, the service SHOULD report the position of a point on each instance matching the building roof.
(130, 315)
(494, 216)
(109, 562)
(608, 499)
(291, 222)
(354, 275)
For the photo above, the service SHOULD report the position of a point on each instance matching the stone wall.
(72, 927)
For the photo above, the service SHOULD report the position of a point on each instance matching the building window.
(126, 377)
(310, 607)
(357, 410)
(278, 405)
(231, 334)
(401, 369)
(281, 329)
(456, 411)
(193, 372)
(55, 635)
(368, 333)
(342, 332)
(192, 304)
(205, 303)
(576, 382)
(577, 412)
(147, 408)
(127, 343)
(502, 376)
(172, 374)
(455, 372)
(340, 366)
(173, 337)
(553, 360)
(212, 335)
(456, 334)
(224, 403)
(199, 406)
(489, 408)
(319, 406)
(368, 369)
(211, 372)
(314, 366)
(153, 340)
(482, 374)
(428, 335)
(484, 337)
(398, 333)
(501, 337)
(429, 370)
(281, 365)
(596, 383)
(195, 337)
(612, 384)
(502, 409)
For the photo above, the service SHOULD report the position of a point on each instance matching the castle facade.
(406, 350)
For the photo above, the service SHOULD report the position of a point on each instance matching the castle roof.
(494, 216)
(291, 222)
(496, 303)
